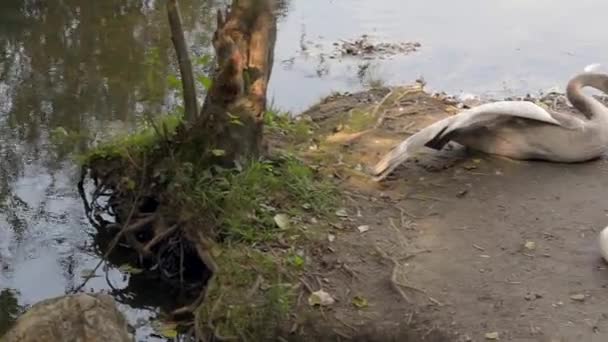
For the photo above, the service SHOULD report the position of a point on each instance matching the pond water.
(86, 69)
(493, 48)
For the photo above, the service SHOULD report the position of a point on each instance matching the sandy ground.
(461, 246)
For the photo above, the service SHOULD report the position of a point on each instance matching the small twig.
(128, 155)
(299, 300)
(403, 212)
(478, 247)
(216, 332)
(356, 194)
(428, 332)
(434, 301)
(307, 285)
(255, 286)
(407, 127)
(343, 335)
(139, 224)
(396, 284)
(349, 270)
(409, 319)
(375, 111)
(319, 284)
(402, 240)
(344, 323)
(424, 198)
(158, 238)
(394, 281)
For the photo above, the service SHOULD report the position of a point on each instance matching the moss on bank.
(260, 217)
(144, 140)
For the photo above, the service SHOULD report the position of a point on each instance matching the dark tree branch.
(185, 66)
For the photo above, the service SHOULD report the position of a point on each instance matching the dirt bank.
(457, 245)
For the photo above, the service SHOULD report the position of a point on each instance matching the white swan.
(603, 242)
(518, 129)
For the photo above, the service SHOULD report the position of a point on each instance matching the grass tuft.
(247, 210)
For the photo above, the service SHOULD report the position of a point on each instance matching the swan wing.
(438, 133)
(490, 111)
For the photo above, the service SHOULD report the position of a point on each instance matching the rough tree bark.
(234, 108)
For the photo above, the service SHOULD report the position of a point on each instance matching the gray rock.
(81, 317)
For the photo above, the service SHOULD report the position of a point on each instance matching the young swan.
(518, 129)
(603, 242)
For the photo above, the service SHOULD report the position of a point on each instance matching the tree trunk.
(234, 108)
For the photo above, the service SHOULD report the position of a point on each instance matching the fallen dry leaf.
(360, 302)
(321, 298)
(363, 229)
(341, 213)
(282, 221)
(530, 245)
(579, 297)
(492, 336)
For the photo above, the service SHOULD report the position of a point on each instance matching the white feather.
(593, 67)
(522, 109)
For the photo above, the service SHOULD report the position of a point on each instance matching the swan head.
(603, 242)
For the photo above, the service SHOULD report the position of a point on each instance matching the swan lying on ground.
(519, 129)
(603, 242)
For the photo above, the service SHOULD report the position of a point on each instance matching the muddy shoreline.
(502, 249)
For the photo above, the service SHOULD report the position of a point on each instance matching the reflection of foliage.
(70, 69)
(73, 65)
(282, 8)
(9, 309)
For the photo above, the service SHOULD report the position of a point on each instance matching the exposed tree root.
(160, 241)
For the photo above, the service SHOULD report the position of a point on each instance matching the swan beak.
(603, 242)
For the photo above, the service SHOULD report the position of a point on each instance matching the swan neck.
(588, 105)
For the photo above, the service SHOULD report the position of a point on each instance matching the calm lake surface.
(93, 68)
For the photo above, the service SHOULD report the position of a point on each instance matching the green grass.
(9, 310)
(146, 138)
(244, 203)
(251, 295)
(255, 290)
(360, 120)
(298, 130)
